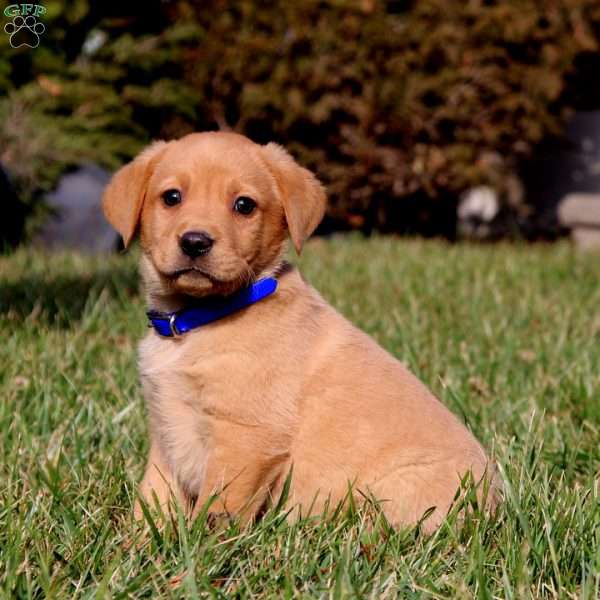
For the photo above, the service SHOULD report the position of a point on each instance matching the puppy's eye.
(171, 197)
(244, 205)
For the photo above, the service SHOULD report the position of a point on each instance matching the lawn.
(507, 336)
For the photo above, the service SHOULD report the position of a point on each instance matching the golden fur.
(287, 382)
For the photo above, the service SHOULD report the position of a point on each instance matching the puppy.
(273, 384)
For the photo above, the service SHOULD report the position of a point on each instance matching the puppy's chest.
(184, 380)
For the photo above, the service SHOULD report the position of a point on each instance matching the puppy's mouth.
(196, 278)
(194, 271)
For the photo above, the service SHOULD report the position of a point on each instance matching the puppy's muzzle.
(196, 243)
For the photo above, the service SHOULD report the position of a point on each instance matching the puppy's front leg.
(158, 485)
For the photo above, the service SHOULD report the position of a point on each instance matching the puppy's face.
(211, 220)
(213, 210)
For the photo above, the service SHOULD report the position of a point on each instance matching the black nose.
(196, 243)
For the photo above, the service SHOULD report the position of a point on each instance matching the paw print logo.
(24, 31)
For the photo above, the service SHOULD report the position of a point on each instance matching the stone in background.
(581, 214)
(77, 221)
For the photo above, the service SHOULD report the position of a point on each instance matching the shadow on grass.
(59, 299)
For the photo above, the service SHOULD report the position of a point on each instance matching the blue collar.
(180, 322)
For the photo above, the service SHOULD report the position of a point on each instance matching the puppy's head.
(212, 210)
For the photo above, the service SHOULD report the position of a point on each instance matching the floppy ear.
(302, 195)
(124, 196)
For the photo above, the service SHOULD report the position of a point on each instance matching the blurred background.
(461, 119)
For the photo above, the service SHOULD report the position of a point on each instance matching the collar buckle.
(173, 326)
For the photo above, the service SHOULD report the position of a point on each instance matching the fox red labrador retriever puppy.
(247, 371)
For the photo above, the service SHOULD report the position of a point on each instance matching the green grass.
(507, 336)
